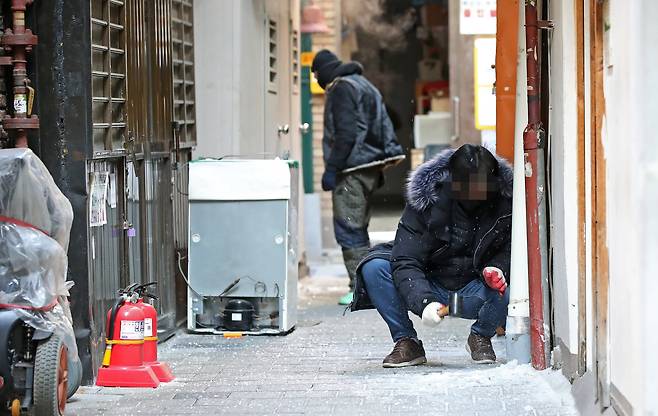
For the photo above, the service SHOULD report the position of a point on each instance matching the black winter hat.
(474, 161)
(323, 58)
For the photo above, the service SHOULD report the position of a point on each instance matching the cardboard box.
(417, 158)
(440, 104)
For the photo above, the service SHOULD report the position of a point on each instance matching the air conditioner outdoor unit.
(242, 267)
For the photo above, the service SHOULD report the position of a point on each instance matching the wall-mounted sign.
(307, 58)
(484, 57)
(477, 17)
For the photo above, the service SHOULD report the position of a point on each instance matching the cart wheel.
(50, 377)
(74, 378)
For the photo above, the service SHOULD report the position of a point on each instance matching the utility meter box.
(242, 260)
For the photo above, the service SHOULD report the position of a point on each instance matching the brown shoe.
(405, 353)
(480, 349)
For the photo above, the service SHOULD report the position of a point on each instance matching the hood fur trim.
(422, 190)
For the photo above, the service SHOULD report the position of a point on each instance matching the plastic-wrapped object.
(28, 193)
(35, 224)
(32, 267)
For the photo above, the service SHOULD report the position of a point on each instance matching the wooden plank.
(582, 261)
(600, 272)
(507, 42)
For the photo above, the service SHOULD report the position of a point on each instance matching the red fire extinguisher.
(125, 334)
(161, 370)
(123, 361)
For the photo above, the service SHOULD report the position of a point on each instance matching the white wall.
(630, 146)
(648, 183)
(631, 151)
(229, 77)
(564, 174)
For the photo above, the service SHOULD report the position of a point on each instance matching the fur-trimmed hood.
(422, 189)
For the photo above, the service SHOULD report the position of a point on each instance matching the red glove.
(495, 279)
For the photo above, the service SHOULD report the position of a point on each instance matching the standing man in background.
(359, 141)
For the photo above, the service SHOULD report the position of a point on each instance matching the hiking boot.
(480, 349)
(405, 353)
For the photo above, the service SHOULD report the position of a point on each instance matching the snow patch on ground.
(511, 375)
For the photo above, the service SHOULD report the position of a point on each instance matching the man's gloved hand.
(431, 316)
(495, 279)
(328, 180)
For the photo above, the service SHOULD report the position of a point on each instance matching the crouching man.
(454, 236)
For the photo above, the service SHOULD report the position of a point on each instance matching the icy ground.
(331, 365)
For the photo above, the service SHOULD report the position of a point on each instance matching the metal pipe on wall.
(4, 61)
(533, 142)
(507, 40)
(517, 329)
(18, 40)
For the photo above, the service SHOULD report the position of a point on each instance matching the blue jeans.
(480, 302)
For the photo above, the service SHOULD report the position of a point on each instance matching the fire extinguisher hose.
(109, 339)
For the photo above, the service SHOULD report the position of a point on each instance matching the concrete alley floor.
(331, 364)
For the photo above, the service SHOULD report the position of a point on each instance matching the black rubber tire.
(46, 370)
(75, 377)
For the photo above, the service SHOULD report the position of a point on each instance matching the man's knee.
(375, 270)
(348, 236)
(496, 298)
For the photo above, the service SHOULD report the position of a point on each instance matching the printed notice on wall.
(477, 17)
(98, 199)
(112, 191)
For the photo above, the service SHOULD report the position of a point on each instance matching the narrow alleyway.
(331, 364)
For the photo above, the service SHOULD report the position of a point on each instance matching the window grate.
(182, 30)
(108, 75)
(272, 55)
(294, 50)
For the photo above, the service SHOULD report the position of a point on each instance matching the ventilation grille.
(108, 74)
(272, 55)
(294, 50)
(182, 29)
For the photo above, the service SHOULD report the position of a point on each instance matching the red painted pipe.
(18, 40)
(531, 146)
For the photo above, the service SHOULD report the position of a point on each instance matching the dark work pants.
(481, 303)
(352, 210)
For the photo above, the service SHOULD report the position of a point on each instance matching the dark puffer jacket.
(437, 240)
(357, 128)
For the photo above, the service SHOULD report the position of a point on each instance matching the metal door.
(151, 236)
(158, 236)
(277, 81)
(107, 240)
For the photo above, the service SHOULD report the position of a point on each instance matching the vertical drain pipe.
(533, 143)
(517, 329)
(5, 61)
(19, 41)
